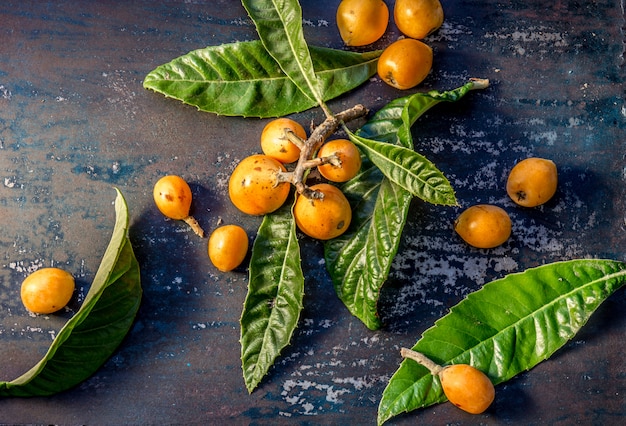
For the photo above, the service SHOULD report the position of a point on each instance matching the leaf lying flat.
(243, 79)
(359, 260)
(507, 327)
(279, 24)
(91, 336)
(359, 264)
(275, 294)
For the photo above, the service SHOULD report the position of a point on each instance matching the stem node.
(315, 141)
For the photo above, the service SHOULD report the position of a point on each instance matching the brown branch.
(316, 140)
(320, 161)
(294, 139)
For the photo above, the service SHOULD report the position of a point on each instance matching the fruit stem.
(320, 161)
(479, 83)
(421, 359)
(195, 226)
(316, 140)
(282, 177)
(294, 139)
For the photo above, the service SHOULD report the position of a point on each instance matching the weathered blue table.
(75, 121)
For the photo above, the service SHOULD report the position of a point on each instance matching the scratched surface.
(75, 121)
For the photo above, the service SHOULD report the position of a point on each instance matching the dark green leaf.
(359, 261)
(275, 293)
(279, 25)
(242, 79)
(507, 327)
(91, 336)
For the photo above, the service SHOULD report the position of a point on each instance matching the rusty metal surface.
(75, 121)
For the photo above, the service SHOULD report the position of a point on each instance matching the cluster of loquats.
(261, 183)
(406, 62)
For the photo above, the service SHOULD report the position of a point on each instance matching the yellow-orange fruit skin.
(324, 218)
(532, 182)
(483, 226)
(172, 197)
(361, 22)
(275, 144)
(405, 63)
(349, 156)
(418, 18)
(47, 290)
(467, 387)
(228, 246)
(254, 187)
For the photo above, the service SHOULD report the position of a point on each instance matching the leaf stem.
(421, 359)
(479, 83)
(327, 111)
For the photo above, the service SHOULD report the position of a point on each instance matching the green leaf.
(418, 104)
(507, 327)
(243, 79)
(279, 25)
(359, 260)
(91, 336)
(406, 168)
(275, 293)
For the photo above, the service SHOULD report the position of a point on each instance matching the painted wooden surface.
(75, 121)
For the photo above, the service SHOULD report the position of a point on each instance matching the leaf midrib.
(258, 371)
(385, 159)
(386, 415)
(543, 308)
(254, 80)
(314, 89)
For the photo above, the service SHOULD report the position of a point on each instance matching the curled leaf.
(505, 328)
(91, 336)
